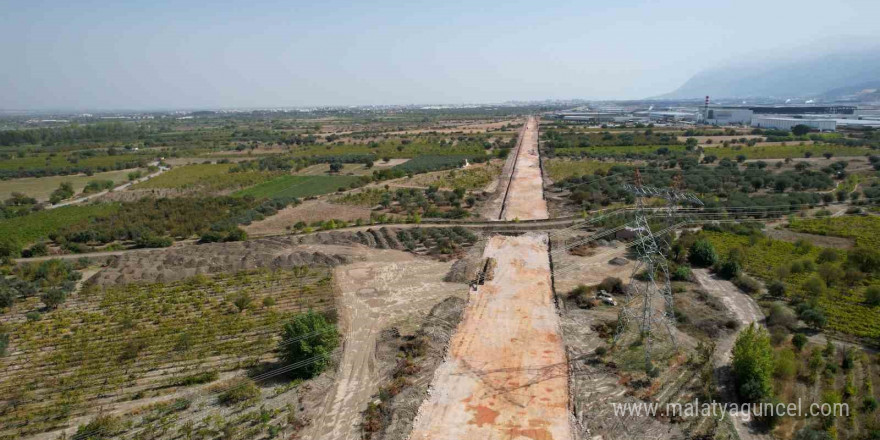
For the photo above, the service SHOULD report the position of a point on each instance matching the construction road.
(506, 373)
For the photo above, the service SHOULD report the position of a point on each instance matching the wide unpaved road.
(506, 374)
(525, 194)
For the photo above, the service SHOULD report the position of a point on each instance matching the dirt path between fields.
(525, 194)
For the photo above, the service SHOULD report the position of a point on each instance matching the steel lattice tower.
(641, 295)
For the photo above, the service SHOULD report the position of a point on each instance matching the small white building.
(780, 123)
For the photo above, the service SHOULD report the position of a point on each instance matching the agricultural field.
(470, 178)
(127, 348)
(40, 187)
(631, 152)
(560, 169)
(43, 164)
(299, 186)
(391, 149)
(864, 230)
(41, 225)
(808, 277)
(207, 177)
(424, 164)
(785, 151)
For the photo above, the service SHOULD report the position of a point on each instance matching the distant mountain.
(804, 78)
(869, 91)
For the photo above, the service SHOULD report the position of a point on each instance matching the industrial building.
(781, 123)
(727, 115)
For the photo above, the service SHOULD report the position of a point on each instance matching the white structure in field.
(780, 123)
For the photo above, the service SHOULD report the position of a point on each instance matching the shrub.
(747, 284)
(702, 254)
(195, 379)
(785, 365)
(776, 288)
(102, 426)
(780, 315)
(730, 269)
(872, 295)
(611, 285)
(799, 341)
(308, 337)
(237, 391)
(682, 273)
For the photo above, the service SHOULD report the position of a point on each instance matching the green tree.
(702, 253)
(799, 340)
(307, 340)
(800, 129)
(753, 364)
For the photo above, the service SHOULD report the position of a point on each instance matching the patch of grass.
(298, 186)
(423, 164)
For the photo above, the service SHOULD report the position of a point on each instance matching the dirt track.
(525, 197)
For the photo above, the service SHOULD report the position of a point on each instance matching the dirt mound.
(392, 418)
(165, 265)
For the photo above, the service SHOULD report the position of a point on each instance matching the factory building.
(727, 115)
(781, 123)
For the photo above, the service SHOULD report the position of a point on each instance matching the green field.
(211, 177)
(39, 225)
(784, 151)
(843, 306)
(40, 187)
(560, 169)
(298, 186)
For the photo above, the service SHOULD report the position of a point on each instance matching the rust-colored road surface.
(525, 198)
(506, 374)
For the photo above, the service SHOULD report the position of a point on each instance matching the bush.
(702, 254)
(101, 427)
(747, 284)
(785, 365)
(308, 338)
(780, 315)
(730, 269)
(872, 295)
(611, 285)
(776, 288)
(799, 341)
(682, 273)
(237, 391)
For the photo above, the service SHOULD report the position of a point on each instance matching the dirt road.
(525, 195)
(746, 311)
(506, 374)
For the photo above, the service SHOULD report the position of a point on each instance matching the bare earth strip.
(525, 200)
(506, 374)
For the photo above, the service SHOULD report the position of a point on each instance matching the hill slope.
(808, 77)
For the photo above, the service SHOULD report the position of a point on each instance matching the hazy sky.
(156, 54)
